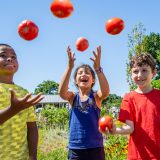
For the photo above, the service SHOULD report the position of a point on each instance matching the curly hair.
(143, 59)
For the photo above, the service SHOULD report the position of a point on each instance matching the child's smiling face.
(142, 75)
(8, 60)
(84, 78)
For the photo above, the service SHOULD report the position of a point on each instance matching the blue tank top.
(83, 124)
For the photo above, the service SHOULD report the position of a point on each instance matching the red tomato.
(105, 121)
(28, 30)
(82, 44)
(61, 8)
(114, 26)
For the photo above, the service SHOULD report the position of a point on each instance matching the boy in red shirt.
(140, 111)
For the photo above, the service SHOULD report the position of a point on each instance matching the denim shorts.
(86, 154)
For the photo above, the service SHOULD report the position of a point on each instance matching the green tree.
(47, 87)
(138, 43)
(135, 39)
(151, 44)
(112, 100)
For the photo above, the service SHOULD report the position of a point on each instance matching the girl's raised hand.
(71, 57)
(97, 58)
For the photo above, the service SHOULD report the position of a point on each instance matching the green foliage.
(116, 146)
(53, 136)
(135, 38)
(47, 87)
(140, 43)
(104, 111)
(52, 144)
(56, 117)
(112, 100)
(151, 44)
(156, 84)
(57, 154)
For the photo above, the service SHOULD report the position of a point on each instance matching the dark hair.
(143, 59)
(3, 44)
(85, 66)
(6, 45)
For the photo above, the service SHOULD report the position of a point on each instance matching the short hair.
(7, 45)
(85, 66)
(143, 59)
(3, 44)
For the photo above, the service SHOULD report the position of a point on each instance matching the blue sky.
(45, 58)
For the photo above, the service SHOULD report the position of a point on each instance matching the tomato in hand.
(82, 44)
(114, 26)
(61, 8)
(105, 121)
(28, 30)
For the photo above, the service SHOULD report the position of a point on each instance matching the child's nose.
(140, 74)
(9, 59)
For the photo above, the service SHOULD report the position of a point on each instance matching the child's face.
(142, 75)
(84, 78)
(8, 61)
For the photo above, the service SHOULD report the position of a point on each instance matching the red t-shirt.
(144, 111)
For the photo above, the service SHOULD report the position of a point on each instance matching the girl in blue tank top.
(85, 140)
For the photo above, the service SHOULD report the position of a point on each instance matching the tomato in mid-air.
(61, 8)
(105, 121)
(82, 44)
(114, 25)
(28, 30)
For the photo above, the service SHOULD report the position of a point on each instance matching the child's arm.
(125, 129)
(104, 86)
(63, 86)
(126, 115)
(17, 105)
(32, 137)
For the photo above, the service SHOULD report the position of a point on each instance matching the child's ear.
(93, 81)
(75, 83)
(154, 73)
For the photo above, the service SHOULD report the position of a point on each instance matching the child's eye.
(144, 70)
(135, 71)
(2, 55)
(87, 72)
(14, 57)
(79, 72)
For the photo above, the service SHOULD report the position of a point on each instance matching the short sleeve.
(126, 111)
(31, 115)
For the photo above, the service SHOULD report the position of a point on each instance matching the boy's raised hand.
(27, 101)
(71, 57)
(97, 58)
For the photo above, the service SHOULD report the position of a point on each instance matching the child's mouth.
(84, 80)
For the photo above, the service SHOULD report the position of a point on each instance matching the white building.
(56, 100)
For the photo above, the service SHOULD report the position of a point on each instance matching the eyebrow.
(1, 51)
(12, 51)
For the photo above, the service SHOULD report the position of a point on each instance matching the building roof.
(52, 99)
